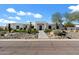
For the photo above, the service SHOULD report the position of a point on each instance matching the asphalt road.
(39, 47)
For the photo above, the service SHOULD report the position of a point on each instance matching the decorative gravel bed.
(70, 35)
(52, 36)
(18, 35)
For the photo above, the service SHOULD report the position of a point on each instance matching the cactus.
(9, 27)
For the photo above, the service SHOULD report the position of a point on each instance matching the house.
(37, 25)
(3, 27)
(18, 26)
(77, 26)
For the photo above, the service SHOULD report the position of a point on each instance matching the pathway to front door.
(42, 35)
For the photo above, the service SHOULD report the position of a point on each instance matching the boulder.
(51, 33)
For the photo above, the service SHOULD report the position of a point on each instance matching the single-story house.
(37, 25)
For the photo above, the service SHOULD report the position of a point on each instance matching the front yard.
(19, 34)
(70, 34)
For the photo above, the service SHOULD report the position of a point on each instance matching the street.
(39, 47)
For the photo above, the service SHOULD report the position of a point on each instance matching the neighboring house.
(3, 27)
(77, 26)
(73, 28)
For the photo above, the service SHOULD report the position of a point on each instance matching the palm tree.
(70, 17)
(57, 19)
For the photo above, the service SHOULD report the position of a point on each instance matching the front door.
(17, 27)
(50, 27)
(40, 27)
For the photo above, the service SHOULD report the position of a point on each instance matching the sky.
(24, 13)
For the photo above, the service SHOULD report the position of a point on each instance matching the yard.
(19, 34)
(71, 34)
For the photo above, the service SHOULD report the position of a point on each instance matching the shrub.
(69, 24)
(2, 33)
(47, 30)
(1, 29)
(60, 33)
(27, 31)
(20, 31)
(57, 32)
(32, 31)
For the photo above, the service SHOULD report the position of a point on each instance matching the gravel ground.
(19, 36)
(73, 35)
(70, 35)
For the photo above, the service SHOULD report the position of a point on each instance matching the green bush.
(20, 31)
(2, 33)
(1, 29)
(57, 32)
(47, 30)
(69, 24)
(32, 31)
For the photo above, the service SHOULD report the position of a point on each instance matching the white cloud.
(6, 21)
(29, 13)
(28, 21)
(18, 18)
(37, 15)
(21, 13)
(74, 8)
(11, 17)
(11, 10)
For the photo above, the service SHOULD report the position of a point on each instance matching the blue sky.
(23, 13)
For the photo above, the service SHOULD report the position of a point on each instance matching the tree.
(57, 19)
(72, 16)
(67, 17)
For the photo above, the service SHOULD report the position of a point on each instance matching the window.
(32, 27)
(25, 27)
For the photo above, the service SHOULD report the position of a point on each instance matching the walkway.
(42, 35)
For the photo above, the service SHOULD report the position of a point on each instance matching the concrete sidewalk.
(39, 39)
